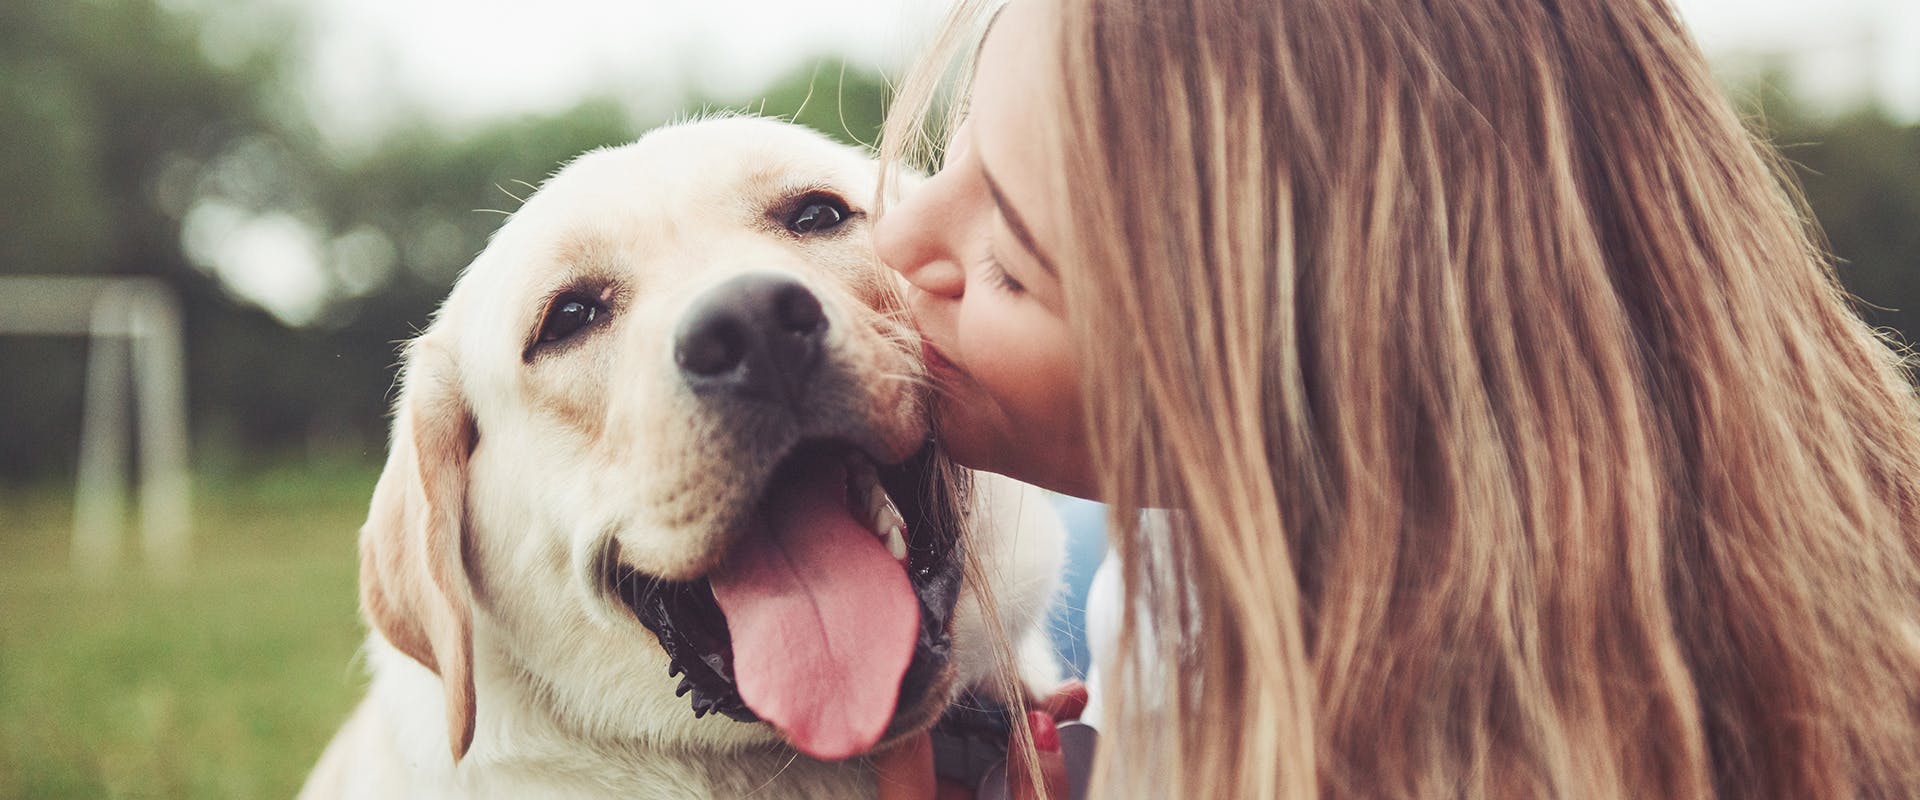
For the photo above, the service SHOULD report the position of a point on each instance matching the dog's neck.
(520, 749)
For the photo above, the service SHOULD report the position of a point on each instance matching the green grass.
(225, 684)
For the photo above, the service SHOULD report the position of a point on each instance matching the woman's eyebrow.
(973, 67)
(1021, 232)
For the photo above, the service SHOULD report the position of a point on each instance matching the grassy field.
(226, 685)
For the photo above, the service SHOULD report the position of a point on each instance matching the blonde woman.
(1517, 438)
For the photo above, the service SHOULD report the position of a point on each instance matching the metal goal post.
(136, 382)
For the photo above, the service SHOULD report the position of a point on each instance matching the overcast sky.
(483, 58)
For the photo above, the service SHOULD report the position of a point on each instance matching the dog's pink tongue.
(822, 618)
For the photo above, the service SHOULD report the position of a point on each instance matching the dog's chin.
(921, 715)
(687, 620)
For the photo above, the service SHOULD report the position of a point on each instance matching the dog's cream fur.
(502, 664)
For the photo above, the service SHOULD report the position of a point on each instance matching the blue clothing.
(1086, 523)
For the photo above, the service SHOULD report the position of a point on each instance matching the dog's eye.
(569, 314)
(818, 213)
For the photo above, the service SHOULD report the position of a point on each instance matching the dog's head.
(670, 423)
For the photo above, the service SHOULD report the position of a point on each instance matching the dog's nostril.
(713, 347)
(758, 335)
(798, 310)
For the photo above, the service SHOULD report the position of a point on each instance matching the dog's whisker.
(654, 585)
(942, 390)
(934, 385)
(907, 379)
(604, 524)
(776, 774)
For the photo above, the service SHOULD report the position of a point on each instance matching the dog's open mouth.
(829, 617)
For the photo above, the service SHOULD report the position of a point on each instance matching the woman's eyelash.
(999, 276)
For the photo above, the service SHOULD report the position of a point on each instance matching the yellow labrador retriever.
(660, 518)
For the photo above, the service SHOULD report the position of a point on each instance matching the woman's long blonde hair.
(1522, 441)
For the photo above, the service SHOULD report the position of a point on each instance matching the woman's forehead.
(1005, 109)
(1012, 54)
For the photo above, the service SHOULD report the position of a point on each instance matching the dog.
(660, 516)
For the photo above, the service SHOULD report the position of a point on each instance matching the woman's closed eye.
(996, 274)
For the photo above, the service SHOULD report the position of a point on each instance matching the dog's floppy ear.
(413, 584)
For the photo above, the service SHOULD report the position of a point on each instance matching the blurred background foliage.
(126, 150)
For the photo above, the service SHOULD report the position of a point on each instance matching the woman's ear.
(413, 584)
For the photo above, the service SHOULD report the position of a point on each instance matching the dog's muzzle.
(691, 627)
(756, 336)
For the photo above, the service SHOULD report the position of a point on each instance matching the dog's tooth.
(861, 472)
(877, 508)
(885, 516)
(897, 541)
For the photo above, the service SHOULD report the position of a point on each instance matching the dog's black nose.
(756, 335)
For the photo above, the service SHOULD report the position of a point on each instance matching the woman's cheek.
(1020, 356)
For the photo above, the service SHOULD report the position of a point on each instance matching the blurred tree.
(101, 105)
(1860, 174)
(832, 97)
(122, 134)
(115, 125)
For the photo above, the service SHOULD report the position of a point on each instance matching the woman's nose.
(915, 236)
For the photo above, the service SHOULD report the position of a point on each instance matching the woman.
(1518, 438)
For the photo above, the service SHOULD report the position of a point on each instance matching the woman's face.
(973, 243)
